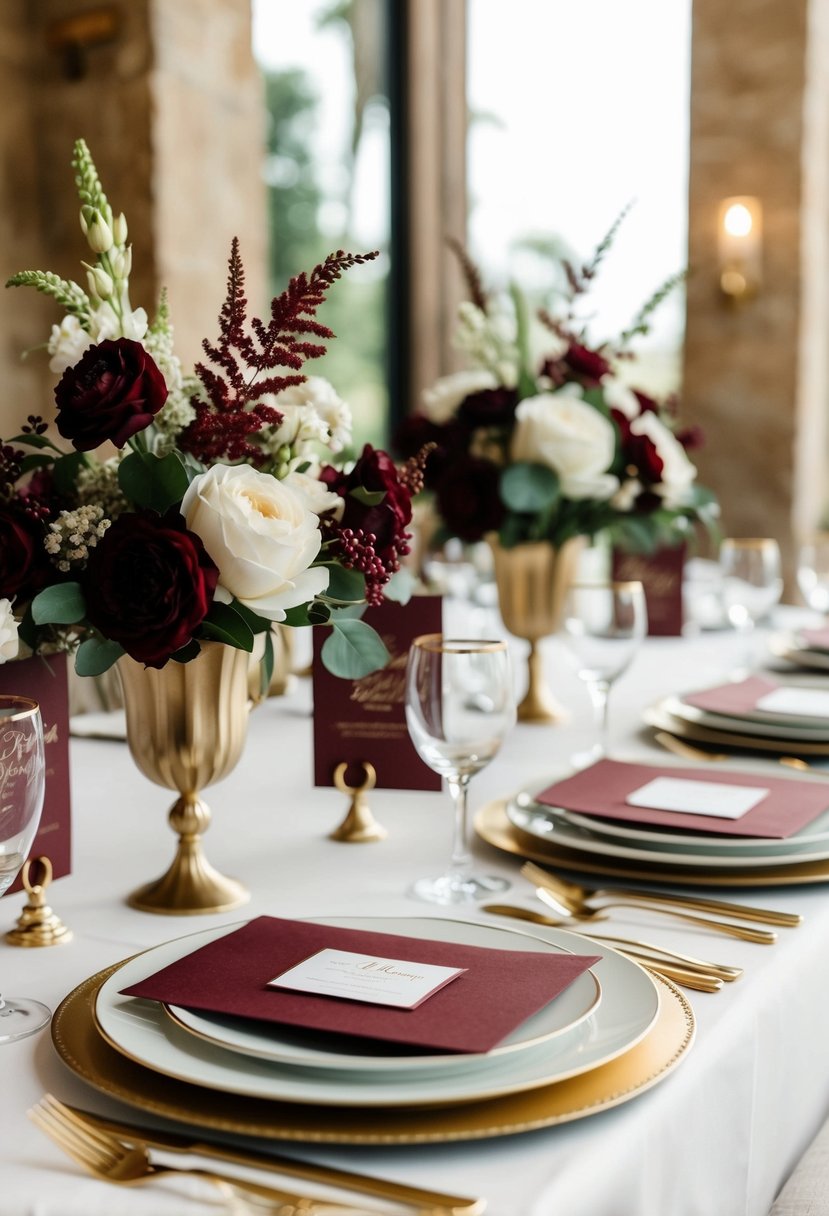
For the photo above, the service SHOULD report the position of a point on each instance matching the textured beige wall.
(172, 113)
(745, 381)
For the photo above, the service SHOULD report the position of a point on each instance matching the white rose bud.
(119, 229)
(9, 641)
(262, 536)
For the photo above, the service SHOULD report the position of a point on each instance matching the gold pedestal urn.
(186, 727)
(532, 580)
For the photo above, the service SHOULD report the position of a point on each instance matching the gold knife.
(434, 1202)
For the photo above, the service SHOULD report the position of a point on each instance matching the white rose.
(315, 493)
(261, 535)
(9, 641)
(572, 437)
(619, 397)
(678, 472)
(300, 425)
(67, 344)
(443, 398)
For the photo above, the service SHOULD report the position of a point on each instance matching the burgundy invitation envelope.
(735, 699)
(45, 681)
(499, 990)
(601, 790)
(356, 720)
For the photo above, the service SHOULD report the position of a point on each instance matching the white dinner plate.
(140, 1029)
(537, 821)
(794, 650)
(288, 1046)
(802, 732)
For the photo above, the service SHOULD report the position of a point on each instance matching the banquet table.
(720, 1134)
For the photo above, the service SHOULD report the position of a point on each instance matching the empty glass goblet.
(22, 783)
(751, 585)
(459, 707)
(813, 572)
(603, 625)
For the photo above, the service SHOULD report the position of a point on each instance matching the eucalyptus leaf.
(353, 650)
(529, 488)
(369, 498)
(346, 585)
(61, 604)
(94, 656)
(153, 482)
(401, 586)
(65, 471)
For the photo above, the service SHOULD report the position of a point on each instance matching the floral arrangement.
(217, 508)
(550, 443)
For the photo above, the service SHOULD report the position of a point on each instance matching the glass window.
(327, 170)
(575, 112)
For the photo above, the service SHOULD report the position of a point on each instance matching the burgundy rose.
(588, 365)
(489, 407)
(647, 405)
(639, 455)
(148, 585)
(452, 439)
(24, 566)
(468, 499)
(112, 393)
(386, 520)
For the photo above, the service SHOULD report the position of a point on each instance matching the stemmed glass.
(459, 707)
(603, 625)
(22, 783)
(751, 584)
(813, 572)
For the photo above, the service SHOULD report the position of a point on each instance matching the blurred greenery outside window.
(327, 169)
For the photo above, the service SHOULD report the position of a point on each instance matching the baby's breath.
(73, 534)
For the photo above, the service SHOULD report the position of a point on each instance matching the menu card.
(45, 680)
(609, 789)
(356, 720)
(495, 991)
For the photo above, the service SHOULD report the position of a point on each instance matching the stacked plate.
(748, 731)
(613, 1032)
(807, 648)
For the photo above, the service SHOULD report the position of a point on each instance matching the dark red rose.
(386, 520)
(639, 455)
(647, 405)
(489, 407)
(148, 585)
(588, 365)
(112, 393)
(452, 439)
(24, 566)
(468, 500)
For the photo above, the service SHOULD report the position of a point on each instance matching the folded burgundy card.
(498, 990)
(356, 720)
(45, 681)
(734, 699)
(785, 807)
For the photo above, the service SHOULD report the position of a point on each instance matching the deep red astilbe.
(233, 411)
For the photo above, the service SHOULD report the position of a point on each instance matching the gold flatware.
(681, 747)
(434, 1202)
(767, 916)
(570, 899)
(718, 970)
(110, 1159)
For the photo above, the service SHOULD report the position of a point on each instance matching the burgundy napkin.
(735, 699)
(499, 990)
(817, 639)
(601, 790)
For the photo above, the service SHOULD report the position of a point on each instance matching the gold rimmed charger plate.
(661, 718)
(493, 825)
(86, 1053)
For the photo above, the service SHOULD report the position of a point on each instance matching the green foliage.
(61, 604)
(529, 488)
(153, 482)
(67, 293)
(353, 650)
(224, 624)
(95, 655)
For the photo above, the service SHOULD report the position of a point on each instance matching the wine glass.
(813, 572)
(22, 783)
(603, 624)
(459, 707)
(751, 585)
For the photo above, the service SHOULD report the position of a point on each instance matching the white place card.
(799, 702)
(367, 977)
(697, 797)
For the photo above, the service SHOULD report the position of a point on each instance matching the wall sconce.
(740, 246)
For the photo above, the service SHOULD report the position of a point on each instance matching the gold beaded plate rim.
(89, 1057)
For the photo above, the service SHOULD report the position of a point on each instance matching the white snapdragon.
(570, 436)
(69, 340)
(67, 344)
(442, 399)
(490, 341)
(9, 640)
(678, 473)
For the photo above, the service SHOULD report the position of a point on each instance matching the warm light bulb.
(738, 220)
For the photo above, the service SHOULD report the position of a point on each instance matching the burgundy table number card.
(660, 574)
(45, 681)
(357, 720)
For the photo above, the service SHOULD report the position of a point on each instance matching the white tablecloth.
(719, 1135)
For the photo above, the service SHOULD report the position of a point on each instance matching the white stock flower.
(570, 436)
(9, 641)
(312, 411)
(67, 344)
(315, 493)
(261, 535)
(443, 398)
(619, 397)
(678, 472)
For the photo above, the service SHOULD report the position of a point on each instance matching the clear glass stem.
(600, 696)
(460, 862)
(746, 638)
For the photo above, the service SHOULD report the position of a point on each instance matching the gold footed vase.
(186, 727)
(532, 580)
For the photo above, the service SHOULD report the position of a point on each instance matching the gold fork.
(109, 1158)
